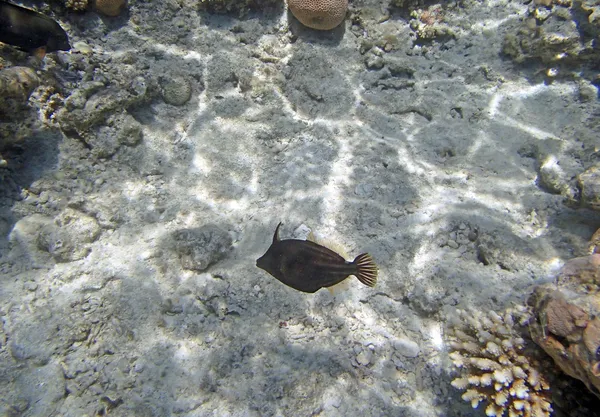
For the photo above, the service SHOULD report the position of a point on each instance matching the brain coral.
(110, 7)
(319, 14)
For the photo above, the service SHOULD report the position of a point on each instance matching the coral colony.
(494, 368)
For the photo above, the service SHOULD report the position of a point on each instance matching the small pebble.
(364, 357)
(82, 47)
(407, 348)
(453, 244)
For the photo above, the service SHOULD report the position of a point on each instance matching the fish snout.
(260, 262)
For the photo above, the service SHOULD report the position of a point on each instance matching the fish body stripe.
(320, 253)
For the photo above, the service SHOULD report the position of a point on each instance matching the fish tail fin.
(366, 270)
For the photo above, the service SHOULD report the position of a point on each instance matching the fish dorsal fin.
(336, 247)
(276, 234)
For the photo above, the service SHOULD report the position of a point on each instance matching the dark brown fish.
(308, 266)
(30, 31)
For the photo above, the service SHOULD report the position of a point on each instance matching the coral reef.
(553, 41)
(557, 34)
(319, 14)
(567, 320)
(110, 7)
(429, 23)
(494, 366)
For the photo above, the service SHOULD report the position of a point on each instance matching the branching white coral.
(494, 369)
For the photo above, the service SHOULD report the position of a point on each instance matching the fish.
(31, 31)
(307, 266)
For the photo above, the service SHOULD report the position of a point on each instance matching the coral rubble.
(567, 324)
(494, 366)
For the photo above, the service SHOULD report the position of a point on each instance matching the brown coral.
(567, 324)
(319, 14)
(495, 368)
(110, 7)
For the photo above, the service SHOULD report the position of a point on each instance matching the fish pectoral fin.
(40, 52)
(339, 288)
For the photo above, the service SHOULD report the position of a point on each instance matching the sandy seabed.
(131, 228)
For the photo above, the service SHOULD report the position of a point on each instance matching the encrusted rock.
(567, 320)
(68, 238)
(552, 177)
(589, 184)
(18, 82)
(319, 14)
(593, 8)
(177, 91)
(495, 367)
(92, 103)
(594, 246)
(555, 40)
(120, 129)
(24, 237)
(200, 247)
(407, 347)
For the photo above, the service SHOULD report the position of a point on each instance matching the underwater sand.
(427, 156)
